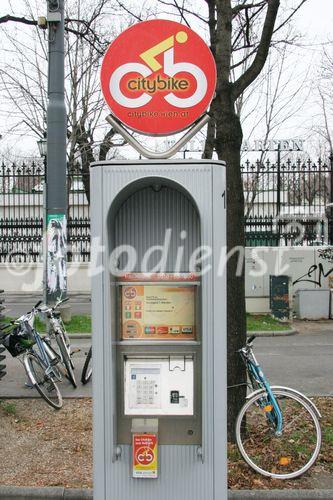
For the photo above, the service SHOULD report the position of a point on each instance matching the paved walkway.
(304, 362)
(18, 304)
(58, 493)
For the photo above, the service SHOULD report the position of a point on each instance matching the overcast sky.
(314, 21)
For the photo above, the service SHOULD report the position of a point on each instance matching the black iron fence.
(21, 214)
(284, 204)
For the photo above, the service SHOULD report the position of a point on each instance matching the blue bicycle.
(277, 430)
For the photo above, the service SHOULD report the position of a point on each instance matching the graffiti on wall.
(56, 253)
(316, 272)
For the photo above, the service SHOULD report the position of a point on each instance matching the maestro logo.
(158, 77)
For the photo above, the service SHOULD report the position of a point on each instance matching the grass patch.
(8, 408)
(264, 322)
(80, 323)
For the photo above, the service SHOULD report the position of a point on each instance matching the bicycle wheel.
(283, 456)
(87, 368)
(44, 384)
(66, 359)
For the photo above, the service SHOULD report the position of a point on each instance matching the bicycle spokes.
(274, 452)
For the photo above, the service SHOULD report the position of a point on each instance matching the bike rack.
(147, 153)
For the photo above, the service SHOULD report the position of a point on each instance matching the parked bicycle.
(87, 368)
(22, 340)
(277, 430)
(57, 332)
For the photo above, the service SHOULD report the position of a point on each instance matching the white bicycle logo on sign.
(170, 68)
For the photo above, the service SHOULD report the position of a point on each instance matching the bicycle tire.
(67, 362)
(284, 456)
(87, 368)
(44, 383)
(66, 340)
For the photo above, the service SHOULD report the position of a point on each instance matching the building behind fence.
(284, 205)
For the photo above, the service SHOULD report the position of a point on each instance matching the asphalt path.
(304, 362)
(16, 305)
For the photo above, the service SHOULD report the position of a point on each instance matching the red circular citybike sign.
(158, 77)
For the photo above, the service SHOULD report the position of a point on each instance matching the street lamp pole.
(56, 186)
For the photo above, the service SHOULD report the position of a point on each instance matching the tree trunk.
(228, 144)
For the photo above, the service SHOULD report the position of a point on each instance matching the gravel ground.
(44, 447)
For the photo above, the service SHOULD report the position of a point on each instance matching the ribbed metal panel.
(160, 219)
(182, 475)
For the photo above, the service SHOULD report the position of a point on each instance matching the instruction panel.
(158, 311)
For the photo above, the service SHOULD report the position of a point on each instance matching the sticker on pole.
(158, 77)
(145, 455)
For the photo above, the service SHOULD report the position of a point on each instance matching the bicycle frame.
(257, 376)
(41, 353)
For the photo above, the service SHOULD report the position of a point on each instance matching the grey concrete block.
(279, 494)
(24, 493)
(76, 494)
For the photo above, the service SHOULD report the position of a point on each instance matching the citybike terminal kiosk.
(159, 329)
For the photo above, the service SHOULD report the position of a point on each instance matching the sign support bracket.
(147, 153)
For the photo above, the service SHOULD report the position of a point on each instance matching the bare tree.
(308, 189)
(281, 94)
(24, 83)
(241, 34)
(228, 140)
(325, 95)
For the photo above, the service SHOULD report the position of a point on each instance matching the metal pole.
(56, 188)
(278, 190)
(278, 183)
(329, 214)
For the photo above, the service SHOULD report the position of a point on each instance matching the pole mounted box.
(159, 329)
(54, 17)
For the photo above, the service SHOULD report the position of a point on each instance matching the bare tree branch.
(184, 9)
(290, 16)
(23, 20)
(138, 18)
(258, 63)
(245, 6)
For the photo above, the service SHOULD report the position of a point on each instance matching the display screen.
(158, 311)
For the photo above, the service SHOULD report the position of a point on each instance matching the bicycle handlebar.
(60, 302)
(250, 339)
(6, 325)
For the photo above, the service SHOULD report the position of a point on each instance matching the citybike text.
(158, 84)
